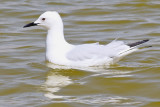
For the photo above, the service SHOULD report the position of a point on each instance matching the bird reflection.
(55, 81)
(89, 69)
(60, 77)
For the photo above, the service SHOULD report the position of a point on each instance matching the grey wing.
(96, 51)
(85, 52)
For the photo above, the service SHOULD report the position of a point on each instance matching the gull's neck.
(56, 45)
(55, 37)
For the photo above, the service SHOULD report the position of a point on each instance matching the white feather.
(60, 52)
(103, 54)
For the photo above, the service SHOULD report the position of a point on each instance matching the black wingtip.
(138, 43)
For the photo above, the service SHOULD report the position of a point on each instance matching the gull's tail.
(133, 47)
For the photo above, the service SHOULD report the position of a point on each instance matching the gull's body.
(60, 52)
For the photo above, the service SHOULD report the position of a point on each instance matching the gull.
(60, 52)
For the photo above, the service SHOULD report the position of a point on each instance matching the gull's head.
(48, 20)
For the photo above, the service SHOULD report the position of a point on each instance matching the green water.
(26, 80)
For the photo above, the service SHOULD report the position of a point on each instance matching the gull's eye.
(43, 19)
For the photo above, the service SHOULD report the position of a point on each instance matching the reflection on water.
(54, 82)
(133, 83)
(97, 69)
(57, 79)
(98, 100)
(90, 69)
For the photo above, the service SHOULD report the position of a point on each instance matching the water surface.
(26, 80)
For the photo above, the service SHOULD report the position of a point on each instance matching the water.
(26, 80)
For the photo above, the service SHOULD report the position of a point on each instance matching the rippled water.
(26, 80)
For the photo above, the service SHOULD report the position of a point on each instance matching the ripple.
(27, 81)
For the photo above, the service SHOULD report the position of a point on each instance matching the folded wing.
(96, 51)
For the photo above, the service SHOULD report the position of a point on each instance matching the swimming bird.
(59, 51)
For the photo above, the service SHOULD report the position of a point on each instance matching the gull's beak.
(30, 24)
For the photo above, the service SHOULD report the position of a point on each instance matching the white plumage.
(95, 54)
(58, 51)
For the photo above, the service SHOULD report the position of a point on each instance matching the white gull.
(60, 52)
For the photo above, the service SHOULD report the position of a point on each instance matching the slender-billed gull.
(58, 51)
